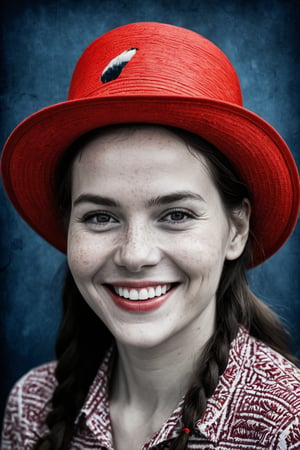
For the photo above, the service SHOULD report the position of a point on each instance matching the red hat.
(160, 74)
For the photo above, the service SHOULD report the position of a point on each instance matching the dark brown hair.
(78, 359)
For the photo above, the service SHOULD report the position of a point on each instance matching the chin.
(141, 341)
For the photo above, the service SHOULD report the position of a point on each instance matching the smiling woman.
(161, 194)
(163, 226)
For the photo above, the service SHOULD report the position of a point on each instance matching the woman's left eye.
(176, 216)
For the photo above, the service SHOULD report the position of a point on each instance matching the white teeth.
(142, 294)
(158, 291)
(151, 293)
(133, 294)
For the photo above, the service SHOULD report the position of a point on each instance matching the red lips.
(139, 306)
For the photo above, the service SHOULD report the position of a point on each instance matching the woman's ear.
(239, 232)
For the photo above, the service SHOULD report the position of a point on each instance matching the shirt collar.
(95, 411)
(211, 425)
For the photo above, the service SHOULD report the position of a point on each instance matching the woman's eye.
(176, 216)
(99, 218)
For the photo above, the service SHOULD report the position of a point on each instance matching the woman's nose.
(137, 249)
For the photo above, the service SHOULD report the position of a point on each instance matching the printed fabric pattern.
(256, 405)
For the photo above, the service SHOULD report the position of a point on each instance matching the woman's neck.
(155, 379)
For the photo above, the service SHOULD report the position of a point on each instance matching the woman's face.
(148, 235)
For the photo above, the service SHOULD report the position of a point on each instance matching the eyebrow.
(157, 201)
(175, 197)
(97, 199)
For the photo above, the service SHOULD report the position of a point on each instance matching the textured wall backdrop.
(42, 41)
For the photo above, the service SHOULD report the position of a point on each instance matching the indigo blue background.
(42, 41)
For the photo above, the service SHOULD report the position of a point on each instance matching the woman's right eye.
(99, 218)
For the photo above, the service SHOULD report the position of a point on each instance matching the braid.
(236, 306)
(210, 366)
(76, 367)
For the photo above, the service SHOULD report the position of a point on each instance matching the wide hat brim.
(261, 157)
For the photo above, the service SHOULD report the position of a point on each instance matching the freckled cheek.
(82, 254)
(198, 254)
(202, 264)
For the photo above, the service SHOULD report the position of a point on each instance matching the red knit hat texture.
(161, 74)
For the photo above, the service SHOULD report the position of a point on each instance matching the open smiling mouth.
(140, 299)
(141, 294)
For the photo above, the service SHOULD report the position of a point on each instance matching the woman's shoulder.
(28, 405)
(257, 399)
(263, 368)
(261, 375)
(268, 378)
(38, 382)
(269, 365)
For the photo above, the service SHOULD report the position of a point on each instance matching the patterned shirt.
(256, 405)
